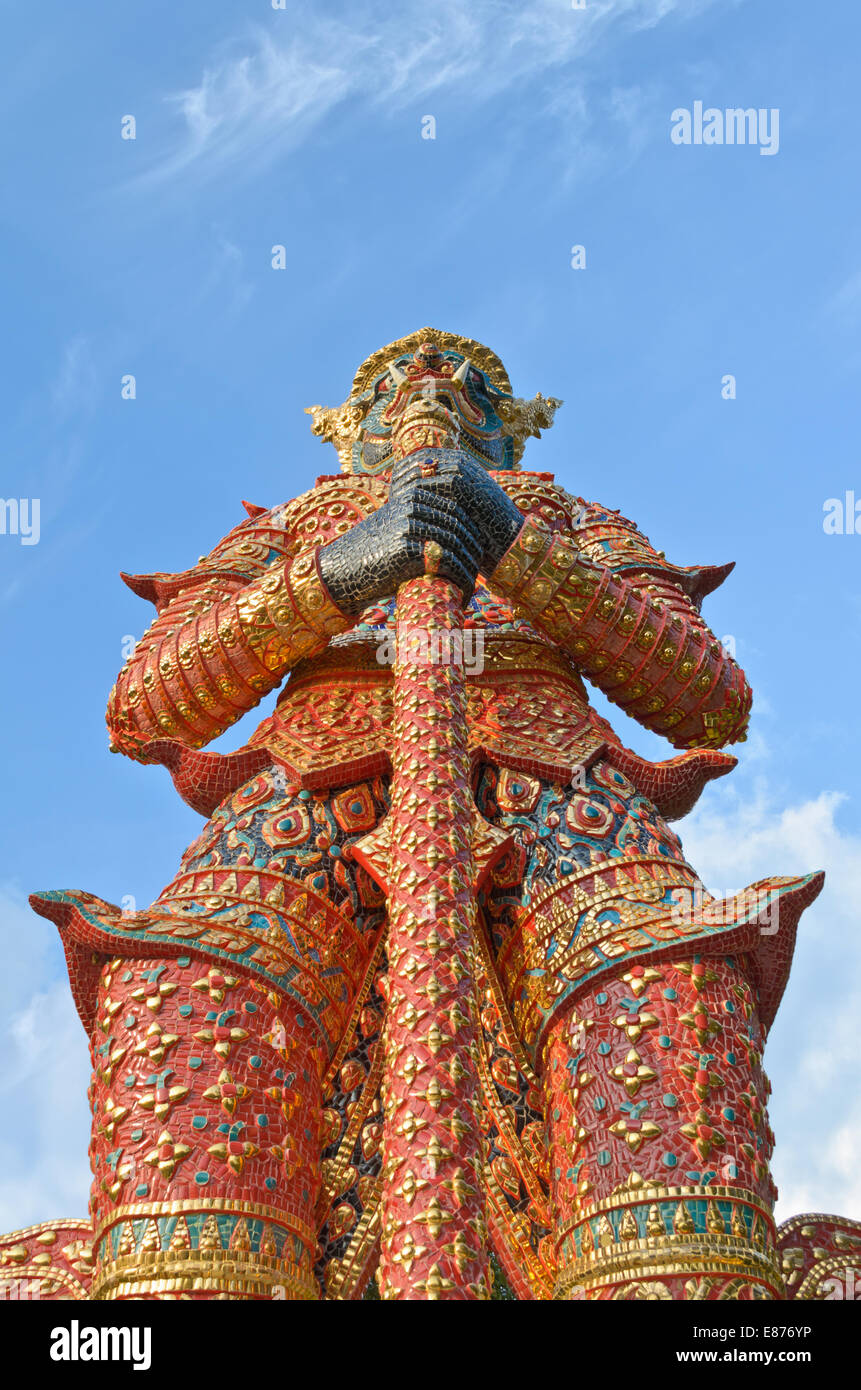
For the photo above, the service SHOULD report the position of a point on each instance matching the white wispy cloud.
(77, 383)
(227, 276)
(259, 96)
(845, 303)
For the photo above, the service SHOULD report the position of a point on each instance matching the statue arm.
(226, 634)
(630, 621)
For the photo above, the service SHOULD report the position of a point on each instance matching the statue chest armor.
(527, 707)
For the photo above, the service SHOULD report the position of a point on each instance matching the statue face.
(425, 391)
(431, 398)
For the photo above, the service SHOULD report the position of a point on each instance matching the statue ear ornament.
(526, 419)
(340, 425)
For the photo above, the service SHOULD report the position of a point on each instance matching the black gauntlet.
(436, 495)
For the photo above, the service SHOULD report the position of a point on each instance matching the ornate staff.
(430, 855)
(432, 1218)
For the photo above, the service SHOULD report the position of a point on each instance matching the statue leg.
(659, 1139)
(205, 1148)
(209, 1129)
(645, 1021)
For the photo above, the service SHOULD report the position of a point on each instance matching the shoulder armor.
(610, 539)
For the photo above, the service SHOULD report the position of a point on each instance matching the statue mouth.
(426, 409)
(425, 422)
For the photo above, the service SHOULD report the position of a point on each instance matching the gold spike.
(654, 1221)
(241, 1240)
(210, 1236)
(151, 1240)
(128, 1243)
(683, 1223)
(606, 1235)
(738, 1225)
(629, 1230)
(714, 1220)
(180, 1239)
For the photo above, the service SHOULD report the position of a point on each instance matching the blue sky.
(257, 127)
